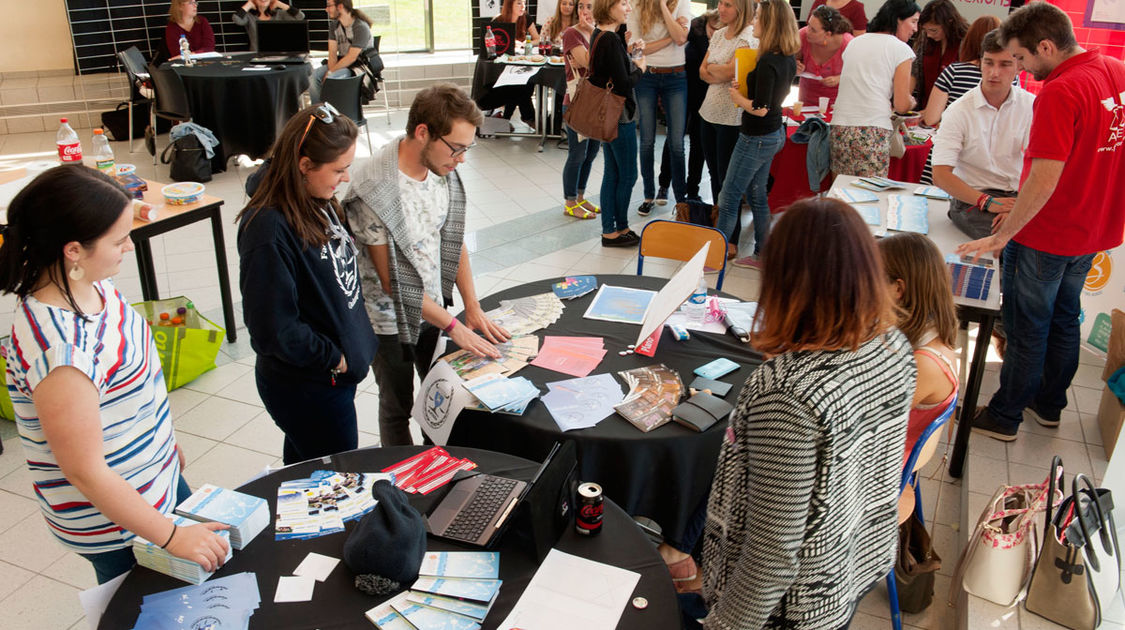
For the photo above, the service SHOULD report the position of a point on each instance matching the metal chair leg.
(131, 149)
(892, 594)
(386, 104)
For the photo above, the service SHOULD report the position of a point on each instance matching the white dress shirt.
(982, 143)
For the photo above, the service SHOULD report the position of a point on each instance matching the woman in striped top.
(89, 395)
(802, 516)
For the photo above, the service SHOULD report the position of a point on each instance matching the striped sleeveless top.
(115, 350)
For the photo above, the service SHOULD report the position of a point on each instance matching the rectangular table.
(947, 237)
(169, 218)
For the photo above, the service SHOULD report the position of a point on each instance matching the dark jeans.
(671, 90)
(695, 153)
(972, 221)
(619, 175)
(748, 173)
(394, 374)
(110, 564)
(317, 419)
(579, 157)
(1041, 310)
(718, 145)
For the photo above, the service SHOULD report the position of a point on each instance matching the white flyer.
(440, 401)
(678, 288)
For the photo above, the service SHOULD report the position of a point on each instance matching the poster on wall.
(489, 8)
(1105, 14)
(1104, 290)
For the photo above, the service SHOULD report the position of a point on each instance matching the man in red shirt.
(1069, 208)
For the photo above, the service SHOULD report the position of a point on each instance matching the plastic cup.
(797, 105)
(824, 105)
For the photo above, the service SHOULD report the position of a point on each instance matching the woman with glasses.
(943, 29)
(253, 11)
(822, 54)
(184, 19)
(301, 297)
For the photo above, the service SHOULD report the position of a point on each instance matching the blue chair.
(909, 503)
(677, 240)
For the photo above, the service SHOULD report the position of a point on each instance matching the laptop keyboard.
(481, 509)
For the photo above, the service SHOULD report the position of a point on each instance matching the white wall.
(34, 35)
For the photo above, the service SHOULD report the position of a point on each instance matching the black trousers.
(318, 419)
(694, 159)
(718, 144)
(394, 374)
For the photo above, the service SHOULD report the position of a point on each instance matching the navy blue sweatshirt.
(302, 305)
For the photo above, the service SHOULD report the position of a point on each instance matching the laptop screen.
(277, 36)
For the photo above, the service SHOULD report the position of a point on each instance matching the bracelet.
(452, 324)
(170, 536)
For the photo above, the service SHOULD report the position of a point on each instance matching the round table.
(664, 474)
(487, 71)
(245, 109)
(337, 604)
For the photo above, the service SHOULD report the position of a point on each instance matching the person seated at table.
(823, 43)
(90, 401)
(875, 79)
(184, 19)
(566, 16)
(580, 153)
(763, 131)
(802, 517)
(960, 77)
(978, 150)
(253, 11)
(300, 291)
(853, 10)
(943, 30)
(921, 288)
(407, 206)
(349, 34)
(513, 96)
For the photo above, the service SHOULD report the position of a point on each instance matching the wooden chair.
(680, 241)
(911, 502)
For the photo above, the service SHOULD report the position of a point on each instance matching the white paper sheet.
(95, 600)
(316, 566)
(294, 589)
(515, 75)
(569, 592)
(439, 402)
(672, 295)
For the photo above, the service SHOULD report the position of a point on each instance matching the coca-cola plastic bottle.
(490, 42)
(70, 148)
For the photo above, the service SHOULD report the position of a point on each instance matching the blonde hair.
(176, 10)
(650, 14)
(778, 27)
(927, 299)
(746, 10)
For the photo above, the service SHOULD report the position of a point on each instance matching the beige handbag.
(898, 144)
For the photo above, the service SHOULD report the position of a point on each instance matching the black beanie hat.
(390, 540)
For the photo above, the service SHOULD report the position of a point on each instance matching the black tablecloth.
(486, 73)
(663, 474)
(245, 109)
(337, 604)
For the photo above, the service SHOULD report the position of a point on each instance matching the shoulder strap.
(941, 360)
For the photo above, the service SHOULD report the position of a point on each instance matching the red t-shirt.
(1077, 119)
(573, 38)
(200, 38)
(853, 10)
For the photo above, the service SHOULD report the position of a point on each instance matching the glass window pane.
(453, 26)
(402, 23)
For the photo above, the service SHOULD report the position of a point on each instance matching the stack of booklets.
(321, 503)
(225, 603)
(969, 280)
(454, 591)
(514, 356)
(653, 392)
(427, 471)
(246, 515)
(908, 214)
(150, 555)
(523, 316)
(852, 195)
(576, 356)
(574, 287)
(932, 192)
(581, 403)
(878, 184)
(500, 394)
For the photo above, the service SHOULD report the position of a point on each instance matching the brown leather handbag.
(593, 111)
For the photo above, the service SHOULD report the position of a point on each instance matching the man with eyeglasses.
(406, 207)
(349, 34)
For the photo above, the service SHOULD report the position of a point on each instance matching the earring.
(77, 273)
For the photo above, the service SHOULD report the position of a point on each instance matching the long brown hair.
(557, 22)
(945, 14)
(823, 284)
(779, 32)
(927, 299)
(508, 15)
(971, 49)
(354, 12)
(649, 14)
(283, 185)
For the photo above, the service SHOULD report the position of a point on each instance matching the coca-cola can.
(591, 505)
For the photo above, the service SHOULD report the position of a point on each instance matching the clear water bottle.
(103, 154)
(528, 48)
(70, 147)
(185, 50)
(695, 308)
(490, 42)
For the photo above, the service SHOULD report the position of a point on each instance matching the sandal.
(585, 203)
(578, 211)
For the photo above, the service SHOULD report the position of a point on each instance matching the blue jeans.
(749, 173)
(671, 89)
(579, 156)
(318, 80)
(110, 564)
(1042, 304)
(618, 177)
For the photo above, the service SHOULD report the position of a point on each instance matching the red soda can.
(591, 506)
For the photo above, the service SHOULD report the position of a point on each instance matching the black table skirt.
(486, 72)
(337, 604)
(664, 474)
(246, 110)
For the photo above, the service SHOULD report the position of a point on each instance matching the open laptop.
(282, 41)
(479, 507)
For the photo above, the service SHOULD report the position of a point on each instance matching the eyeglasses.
(932, 30)
(325, 114)
(455, 151)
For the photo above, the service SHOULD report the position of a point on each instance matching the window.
(415, 25)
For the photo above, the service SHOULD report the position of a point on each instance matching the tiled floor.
(517, 233)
